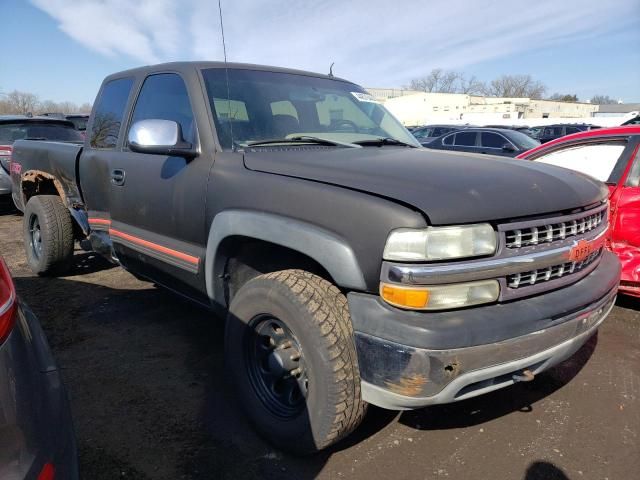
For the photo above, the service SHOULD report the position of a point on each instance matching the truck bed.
(35, 160)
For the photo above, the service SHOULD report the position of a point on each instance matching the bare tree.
(471, 85)
(20, 102)
(518, 86)
(564, 97)
(602, 99)
(437, 81)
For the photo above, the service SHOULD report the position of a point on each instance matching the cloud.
(376, 41)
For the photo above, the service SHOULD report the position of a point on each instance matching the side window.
(109, 112)
(572, 130)
(164, 96)
(492, 140)
(598, 160)
(448, 140)
(466, 139)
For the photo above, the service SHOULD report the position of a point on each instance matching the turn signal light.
(404, 297)
(440, 297)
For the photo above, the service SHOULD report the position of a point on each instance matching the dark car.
(352, 266)
(518, 128)
(547, 133)
(20, 127)
(430, 132)
(36, 431)
(79, 120)
(492, 141)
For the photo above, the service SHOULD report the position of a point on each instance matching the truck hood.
(448, 187)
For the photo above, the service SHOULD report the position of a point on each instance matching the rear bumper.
(461, 355)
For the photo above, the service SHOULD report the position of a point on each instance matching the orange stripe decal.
(100, 221)
(154, 246)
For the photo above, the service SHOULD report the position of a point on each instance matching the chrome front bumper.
(426, 377)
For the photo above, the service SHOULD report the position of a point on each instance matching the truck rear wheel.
(48, 235)
(290, 352)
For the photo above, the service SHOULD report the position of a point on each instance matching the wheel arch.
(325, 250)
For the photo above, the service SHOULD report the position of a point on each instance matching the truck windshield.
(10, 132)
(261, 105)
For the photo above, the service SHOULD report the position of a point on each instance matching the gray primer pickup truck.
(352, 266)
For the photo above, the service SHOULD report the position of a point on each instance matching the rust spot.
(409, 386)
(452, 369)
(38, 182)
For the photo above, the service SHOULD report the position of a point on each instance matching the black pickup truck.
(352, 266)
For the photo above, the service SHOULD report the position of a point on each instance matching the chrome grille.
(534, 277)
(551, 232)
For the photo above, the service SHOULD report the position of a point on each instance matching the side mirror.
(507, 147)
(159, 137)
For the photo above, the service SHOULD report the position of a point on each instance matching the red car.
(611, 155)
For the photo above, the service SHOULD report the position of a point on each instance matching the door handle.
(117, 177)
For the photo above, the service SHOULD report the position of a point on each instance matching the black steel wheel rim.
(275, 366)
(35, 236)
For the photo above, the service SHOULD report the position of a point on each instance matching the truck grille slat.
(533, 277)
(547, 233)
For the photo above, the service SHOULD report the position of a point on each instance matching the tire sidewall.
(34, 208)
(262, 296)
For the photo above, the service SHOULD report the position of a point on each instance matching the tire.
(328, 405)
(50, 251)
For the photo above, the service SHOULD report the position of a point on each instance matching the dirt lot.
(144, 372)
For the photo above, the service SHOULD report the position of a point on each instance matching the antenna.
(331, 69)
(226, 71)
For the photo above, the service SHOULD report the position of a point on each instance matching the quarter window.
(164, 97)
(109, 112)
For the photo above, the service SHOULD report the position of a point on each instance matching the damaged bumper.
(413, 359)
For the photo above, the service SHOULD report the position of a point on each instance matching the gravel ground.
(145, 377)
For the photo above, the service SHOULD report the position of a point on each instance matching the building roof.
(619, 108)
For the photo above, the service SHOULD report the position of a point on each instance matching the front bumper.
(414, 359)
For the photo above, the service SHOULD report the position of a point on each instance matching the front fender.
(326, 248)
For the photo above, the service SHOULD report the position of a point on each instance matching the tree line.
(23, 103)
(514, 86)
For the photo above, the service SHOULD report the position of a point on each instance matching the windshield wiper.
(302, 139)
(380, 141)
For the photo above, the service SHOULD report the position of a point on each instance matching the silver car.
(36, 431)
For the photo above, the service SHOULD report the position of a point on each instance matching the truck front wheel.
(290, 352)
(48, 235)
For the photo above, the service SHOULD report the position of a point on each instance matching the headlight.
(440, 297)
(440, 243)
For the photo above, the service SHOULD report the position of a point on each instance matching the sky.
(62, 49)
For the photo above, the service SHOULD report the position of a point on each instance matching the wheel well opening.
(39, 183)
(246, 258)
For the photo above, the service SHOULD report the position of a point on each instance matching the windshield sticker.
(364, 97)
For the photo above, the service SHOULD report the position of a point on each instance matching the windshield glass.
(525, 141)
(10, 132)
(271, 105)
(79, 122)
(596, 160)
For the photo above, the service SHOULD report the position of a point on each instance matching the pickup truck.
(352, 266)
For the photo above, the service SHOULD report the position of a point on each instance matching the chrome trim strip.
(436, 274)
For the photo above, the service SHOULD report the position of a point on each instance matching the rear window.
(10, 132)
(79, 122)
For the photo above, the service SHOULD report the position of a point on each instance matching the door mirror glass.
(160, 137)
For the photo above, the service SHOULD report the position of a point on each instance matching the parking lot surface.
(151, 400)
